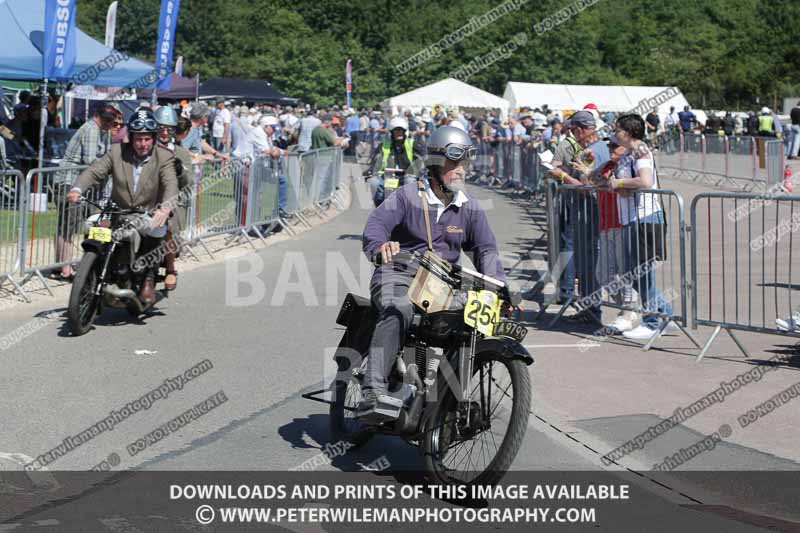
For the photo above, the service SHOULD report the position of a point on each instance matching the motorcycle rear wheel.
(448, 445)
(83, 303)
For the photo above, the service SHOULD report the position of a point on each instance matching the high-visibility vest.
(575, 146)
(765, 123)
(387, 148)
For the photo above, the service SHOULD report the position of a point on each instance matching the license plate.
(509, 328)
(100, 234)
(482, 311)
(391, 183)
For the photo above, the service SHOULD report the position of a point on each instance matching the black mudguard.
(90, 245)
(506, 347)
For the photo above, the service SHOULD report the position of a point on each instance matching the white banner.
(111, 24)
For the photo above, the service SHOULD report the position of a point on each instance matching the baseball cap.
(268, 120)
(583, 119)
(327, 117)
(198, 111)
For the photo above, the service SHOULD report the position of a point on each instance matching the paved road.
(268, 337)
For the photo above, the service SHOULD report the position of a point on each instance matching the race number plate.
(482, 311)
(508, 328)
(391, 183)
(100, 234)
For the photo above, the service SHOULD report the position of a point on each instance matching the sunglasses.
(457, 152)
(143, 124)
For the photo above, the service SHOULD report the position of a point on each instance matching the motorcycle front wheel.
(83, 303)
(475, 441)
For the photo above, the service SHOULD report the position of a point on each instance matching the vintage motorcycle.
(388, 181)
(462, 377)
(108, 273)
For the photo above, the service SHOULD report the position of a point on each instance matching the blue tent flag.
(59, 39)
(166, 41)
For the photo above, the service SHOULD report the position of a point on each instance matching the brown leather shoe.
(148, 292)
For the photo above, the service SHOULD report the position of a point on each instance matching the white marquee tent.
(616, 98)
(448, 92)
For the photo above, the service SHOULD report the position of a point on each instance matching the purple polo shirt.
(400, 218)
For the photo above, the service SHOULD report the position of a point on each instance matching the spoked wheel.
(346, 395)
(475, 442)
(83, 303)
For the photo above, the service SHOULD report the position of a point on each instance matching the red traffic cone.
(787, 179)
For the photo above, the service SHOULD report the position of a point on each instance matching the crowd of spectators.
(600, 232)
(765, 123)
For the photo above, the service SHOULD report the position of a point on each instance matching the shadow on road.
(313, 432)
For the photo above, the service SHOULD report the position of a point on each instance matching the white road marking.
(576, 345)
(39, 478)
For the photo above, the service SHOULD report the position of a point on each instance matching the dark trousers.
(148, 248)
(389, 293)
(580, 236)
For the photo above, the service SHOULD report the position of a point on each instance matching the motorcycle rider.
(457, 223)
(400, 151)
(167, 120)
(142, 176)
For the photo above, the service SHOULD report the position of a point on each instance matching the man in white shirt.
(262, 138)
(671, 120)
(307, 126)
(289, 119)
(240, 136)
(539, 119)
(265, 144)
(221, 128)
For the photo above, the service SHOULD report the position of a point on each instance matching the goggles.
(143, 124)
(458, 152)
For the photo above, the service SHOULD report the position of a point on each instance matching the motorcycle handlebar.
(115, 209)
(514, 298)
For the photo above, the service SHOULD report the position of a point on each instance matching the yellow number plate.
(100, 234)
(482, 311)
(391, 183)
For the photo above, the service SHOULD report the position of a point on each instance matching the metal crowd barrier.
(12, 183)
(774, 162)
(267, 177)
(553, 229)
(620, 259)
(518, 164)
(734, 160)
(327, 168)
(313, 177)
(40, 232)
(746, 278)
(52, 229)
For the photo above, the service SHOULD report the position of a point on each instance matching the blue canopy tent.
(22, 27)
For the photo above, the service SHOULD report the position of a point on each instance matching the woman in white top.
(635, 209)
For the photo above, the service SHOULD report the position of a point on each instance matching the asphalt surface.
(266, 322)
